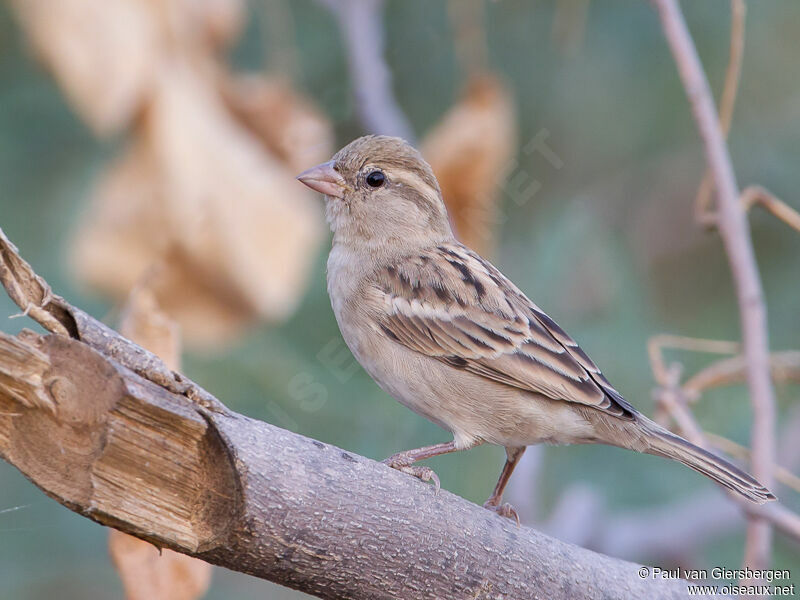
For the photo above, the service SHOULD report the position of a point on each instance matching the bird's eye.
(375, 179)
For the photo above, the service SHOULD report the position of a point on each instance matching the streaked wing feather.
(481, 323)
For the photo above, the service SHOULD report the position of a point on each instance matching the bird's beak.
(324, 179)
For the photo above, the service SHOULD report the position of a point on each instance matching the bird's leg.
(493, 503)
(404, 461)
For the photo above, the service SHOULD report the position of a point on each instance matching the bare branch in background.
(777, 514)
(733, 227)
(755, 194)
(782, 474)
(673, 403)
(674, 529)
(789, 445)
(361, 24)
(669, 532)
(727, 102)
(784, 367)
(658, 343)
(472, 147)
(663, 533)
(752, 195)
(236, 492)
(671, 399)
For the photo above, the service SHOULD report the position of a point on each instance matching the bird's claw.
(504, 510)
(420, 472)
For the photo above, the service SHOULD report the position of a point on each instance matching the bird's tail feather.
(667, 444)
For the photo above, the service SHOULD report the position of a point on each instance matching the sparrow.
(445, 333)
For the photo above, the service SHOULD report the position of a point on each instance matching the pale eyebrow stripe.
(416, 182)
(421, 194)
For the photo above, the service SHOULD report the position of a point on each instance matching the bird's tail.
(667, 444)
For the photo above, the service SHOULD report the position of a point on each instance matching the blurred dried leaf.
(286, 122)
(235, 211)
(148, 574)
(218, 22)
(470, 151)
(125, 236)
(102, 53)
(105, 53)
(123, 233)
(232, 232)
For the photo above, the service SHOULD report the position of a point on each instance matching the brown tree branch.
(106, 429)
(733, 227)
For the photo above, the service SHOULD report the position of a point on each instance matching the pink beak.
(324, 179)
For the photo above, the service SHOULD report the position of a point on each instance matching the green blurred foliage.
(606, 245)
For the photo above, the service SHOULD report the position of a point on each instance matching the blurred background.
(152, 146)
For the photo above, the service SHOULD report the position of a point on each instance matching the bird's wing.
(452, 305)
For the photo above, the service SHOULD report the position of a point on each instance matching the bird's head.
(379, 190)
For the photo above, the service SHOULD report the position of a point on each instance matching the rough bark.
(109, 431)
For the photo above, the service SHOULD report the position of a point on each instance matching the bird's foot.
(504, 510)
(400, 462)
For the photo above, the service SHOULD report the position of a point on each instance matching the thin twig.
(727, 101)
(658, 343)
(733, 228)
(784, 367)
(789, 443)
(361, 24)
(755, 194)
(672, 399)
(750, 196)
(787, 521)
(782, 474)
